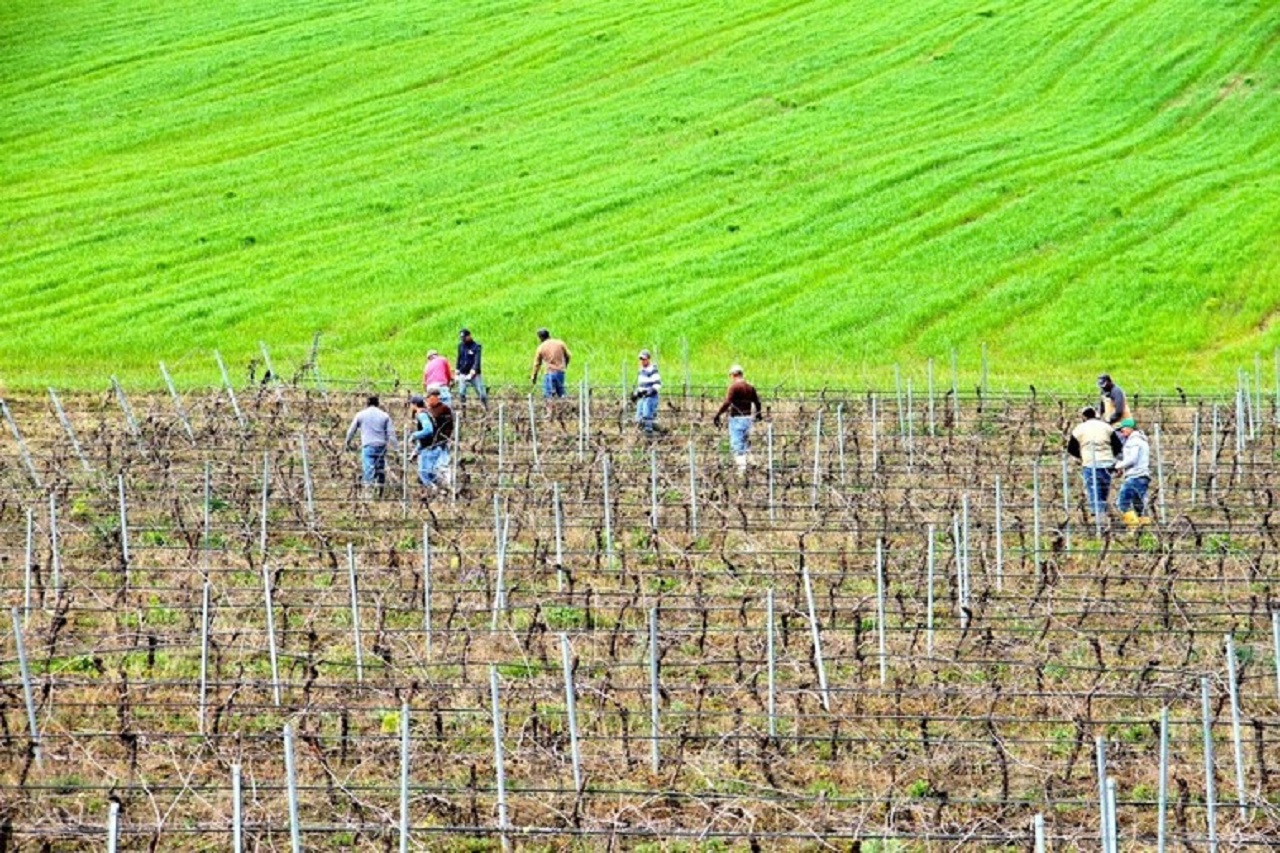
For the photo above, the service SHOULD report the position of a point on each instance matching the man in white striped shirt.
(648, 383)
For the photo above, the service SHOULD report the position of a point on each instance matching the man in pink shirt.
(437, 372)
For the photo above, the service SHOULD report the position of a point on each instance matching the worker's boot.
(1131, 519)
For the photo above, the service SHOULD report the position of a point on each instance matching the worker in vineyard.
(468, 369)
(648, 383)
(740, 401)
(376, 435)
(437, 372)
(552, 353)
(433, 430)
(1096, 444)
(1135, 462)
(1114, 405)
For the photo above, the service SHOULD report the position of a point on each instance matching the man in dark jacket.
(739, 402)
(468, 366)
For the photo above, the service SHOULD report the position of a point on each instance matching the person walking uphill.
(553, 353)
(376, 434)
(1135, 462)
(468, 368)
(739, 402)
(1096, 445)
(648, 384)
(433, 422)
(1115, 407)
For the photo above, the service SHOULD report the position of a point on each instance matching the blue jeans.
(740, 434)
(1097, 485)
(1133, 494)
(476, 382)
(373, 461)
(647, 411)
(553, 384)
(431, 462)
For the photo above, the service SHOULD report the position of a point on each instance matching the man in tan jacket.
(555, 355)
(1095, 443)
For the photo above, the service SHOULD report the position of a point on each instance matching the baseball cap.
(432, 352)
(417, 400)
(463, 333)
(735, 370)
(644, 353)
(1128, 423)
(1104, 379)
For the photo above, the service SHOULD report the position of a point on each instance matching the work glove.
(716, 421)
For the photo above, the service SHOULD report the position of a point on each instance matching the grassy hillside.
(830, 186)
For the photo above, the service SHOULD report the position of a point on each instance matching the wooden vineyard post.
(404, 777)
(654, 693)
(1210, 794)
(499, 767)
(500, 583)
(1104, 816)
(773, 667)
(533, 435)
(693, 491)
(570, 703)
(355, 612)
(608, 512)
(1113, 824)
(124, 527)
(71, 434)
(1037, 828)
(266, 492)
(177, 404)
(22, 445)
(55, 557)
(28, 694)
(204, 658)
(555, 500)
(1035, 517)
(291, 774)
(1162, 801)
(231, 392)
(816, 634)
(426, 587)
(817, 459)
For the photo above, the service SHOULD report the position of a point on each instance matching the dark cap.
(417, 400)
(1104, 379)
(1088, 412)
(464, 332)
(543, 333)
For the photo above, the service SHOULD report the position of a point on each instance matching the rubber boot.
(1131, 519)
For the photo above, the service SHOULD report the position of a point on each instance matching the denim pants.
(553, 384)
(740, 434)
(647, 411)
(1097, 485)
(432, 461)
(476, 382)
(1133, 494)
(373, 461)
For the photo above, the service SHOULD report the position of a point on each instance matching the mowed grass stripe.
(898, 183)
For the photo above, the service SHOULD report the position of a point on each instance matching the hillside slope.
(827, 187)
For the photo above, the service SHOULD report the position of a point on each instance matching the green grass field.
(817, 189)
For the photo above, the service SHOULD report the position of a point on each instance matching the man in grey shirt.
(376, 434)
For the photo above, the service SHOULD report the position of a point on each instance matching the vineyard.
(902, 629)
